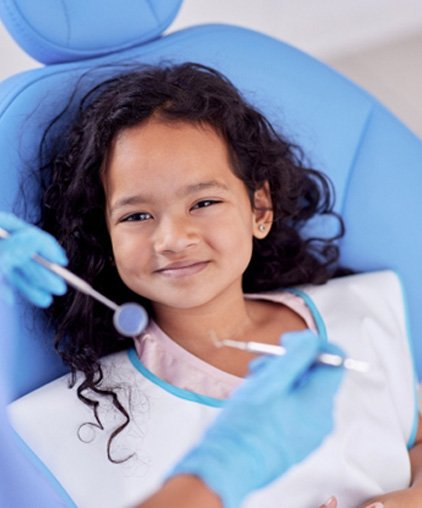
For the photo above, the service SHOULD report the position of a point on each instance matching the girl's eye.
(137, 217)
(205, 203)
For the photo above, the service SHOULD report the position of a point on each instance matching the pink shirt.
(174, 364)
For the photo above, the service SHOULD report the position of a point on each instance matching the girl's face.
(181, 223)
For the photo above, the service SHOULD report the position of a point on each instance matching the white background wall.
(377, 43)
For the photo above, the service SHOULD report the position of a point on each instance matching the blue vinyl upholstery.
(54, 31)
(374, 161)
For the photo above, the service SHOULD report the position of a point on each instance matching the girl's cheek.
(122, 255)
(134, 254)
(124, 242)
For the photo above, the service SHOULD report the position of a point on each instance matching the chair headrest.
(53, 31)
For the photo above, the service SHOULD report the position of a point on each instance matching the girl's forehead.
(172, 147)
(177, 157)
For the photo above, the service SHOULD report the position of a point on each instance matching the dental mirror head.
(130, 319)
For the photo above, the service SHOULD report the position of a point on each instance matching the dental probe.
(270, 349)
(129, 319)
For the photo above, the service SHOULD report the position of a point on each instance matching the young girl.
(172, 191)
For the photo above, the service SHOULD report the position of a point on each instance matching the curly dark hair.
(73, 207)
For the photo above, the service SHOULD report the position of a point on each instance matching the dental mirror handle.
(75, 281)
(72, 279)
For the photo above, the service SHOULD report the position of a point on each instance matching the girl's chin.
(182, 303)
(179, 305)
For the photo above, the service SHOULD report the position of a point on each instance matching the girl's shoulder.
(285, 309)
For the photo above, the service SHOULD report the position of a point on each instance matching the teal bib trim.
(412, 436)
(322, 331)
(174, 390)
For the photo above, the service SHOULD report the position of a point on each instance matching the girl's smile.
(182, 269)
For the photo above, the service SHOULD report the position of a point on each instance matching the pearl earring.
(262, 227)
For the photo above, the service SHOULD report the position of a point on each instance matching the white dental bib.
(366, 455)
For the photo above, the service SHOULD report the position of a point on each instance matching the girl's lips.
(177, 271)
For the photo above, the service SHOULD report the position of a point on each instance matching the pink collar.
(174, 364)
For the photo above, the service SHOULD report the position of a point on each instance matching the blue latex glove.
(18, 268)
(279, 415)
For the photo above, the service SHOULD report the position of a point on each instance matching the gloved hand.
(18, 268)
(280, 414)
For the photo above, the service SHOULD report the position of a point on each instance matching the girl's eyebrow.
(210, 185)
(139, 199)
(136, 199)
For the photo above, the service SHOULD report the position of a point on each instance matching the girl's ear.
(262, 211)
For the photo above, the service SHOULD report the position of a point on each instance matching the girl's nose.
(174, 235)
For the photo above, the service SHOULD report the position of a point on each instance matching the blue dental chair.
(374, 161)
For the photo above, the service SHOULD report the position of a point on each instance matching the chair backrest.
(374, 161)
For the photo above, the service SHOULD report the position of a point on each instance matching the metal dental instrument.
(129, 319)
(270, 349)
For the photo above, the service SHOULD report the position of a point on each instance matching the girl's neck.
(227, 316)
(231, 317)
